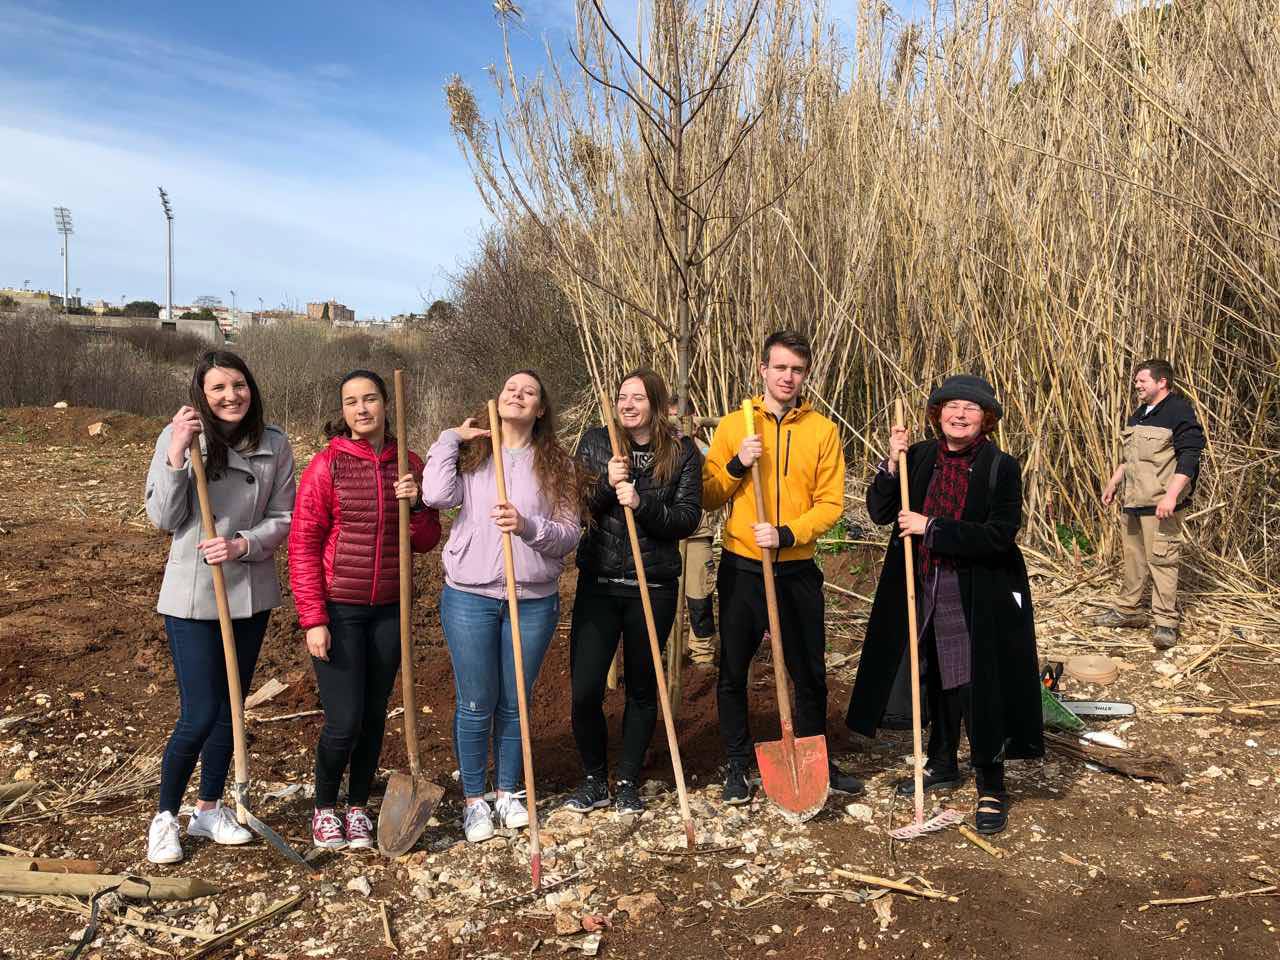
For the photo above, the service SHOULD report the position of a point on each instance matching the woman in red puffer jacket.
(344, 568)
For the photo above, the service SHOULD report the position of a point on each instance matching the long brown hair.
(664, 438)
(218, 437)
(558, 475)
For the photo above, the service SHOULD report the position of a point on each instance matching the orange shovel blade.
(796, 780)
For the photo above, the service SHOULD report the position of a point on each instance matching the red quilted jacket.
(344, 543)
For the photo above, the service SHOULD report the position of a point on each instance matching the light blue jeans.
(478, 632)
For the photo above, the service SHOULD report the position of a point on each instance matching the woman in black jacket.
(976, 626)
(660, 478)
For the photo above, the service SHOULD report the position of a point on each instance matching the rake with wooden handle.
(948, 817)
(606, 408)
(513, 608)
(234, 693)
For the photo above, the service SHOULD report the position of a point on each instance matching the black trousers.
(744, 619)
(599, 618)
(948, 709)
(355, 685)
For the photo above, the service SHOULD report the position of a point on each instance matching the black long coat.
(1007, 721)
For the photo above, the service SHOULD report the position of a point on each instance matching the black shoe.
(992, 814)
(843, 782)
(627, 799)
(736, 790)
(592, 794)
(942, 780)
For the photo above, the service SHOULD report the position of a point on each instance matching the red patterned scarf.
(948, 488)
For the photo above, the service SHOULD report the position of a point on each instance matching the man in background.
(1162, 445)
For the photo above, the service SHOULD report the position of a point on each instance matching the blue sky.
(305, 146)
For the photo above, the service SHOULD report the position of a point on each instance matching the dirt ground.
(88, 699)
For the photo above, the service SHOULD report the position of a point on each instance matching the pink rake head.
(947, 817)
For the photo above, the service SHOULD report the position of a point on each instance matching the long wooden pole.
(775, 622)
(406, 588)
(234, 692)
(914, 640)
(513, 608)
(664, 699)
(87, 884)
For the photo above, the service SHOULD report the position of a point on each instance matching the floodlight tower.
(168, 262)
(62, 219)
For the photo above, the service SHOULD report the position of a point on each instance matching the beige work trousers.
(1152, 552)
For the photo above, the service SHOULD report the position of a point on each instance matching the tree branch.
(724, 65)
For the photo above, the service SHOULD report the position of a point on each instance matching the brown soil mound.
(70, 426)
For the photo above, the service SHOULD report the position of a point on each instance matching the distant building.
(331, 312)
(408, 319)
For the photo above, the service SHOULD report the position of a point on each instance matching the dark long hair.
(337, 426)
(558, 476)
(218, 437)
(664, 437)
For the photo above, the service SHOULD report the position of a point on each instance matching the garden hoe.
(948, 817)
(513, 608)
(664, 698)
(793, 771)
(236, 696)
(410, 798)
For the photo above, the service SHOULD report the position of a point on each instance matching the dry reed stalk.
(1041, 193)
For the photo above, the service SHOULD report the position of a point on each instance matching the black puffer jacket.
(667, 513)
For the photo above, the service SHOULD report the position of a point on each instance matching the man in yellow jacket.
(802, 473)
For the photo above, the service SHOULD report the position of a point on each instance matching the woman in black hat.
(977, 630)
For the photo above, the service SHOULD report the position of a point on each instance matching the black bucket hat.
(966, 387)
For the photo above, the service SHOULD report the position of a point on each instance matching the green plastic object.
(1056, 715)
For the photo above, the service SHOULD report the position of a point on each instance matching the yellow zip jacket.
(801, 470)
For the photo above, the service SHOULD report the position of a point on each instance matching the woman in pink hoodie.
(542, 512)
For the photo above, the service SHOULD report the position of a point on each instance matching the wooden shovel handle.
(234, 692)
(406, 586)
(513, 608)
(913, 640)
(771, 599)
(642, 578)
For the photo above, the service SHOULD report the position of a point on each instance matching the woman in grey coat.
(251, 489)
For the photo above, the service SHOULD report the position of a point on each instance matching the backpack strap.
(995, 469)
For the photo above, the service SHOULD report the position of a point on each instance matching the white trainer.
(163, 845)
(511, 812)
(218, 825)
(477, 821)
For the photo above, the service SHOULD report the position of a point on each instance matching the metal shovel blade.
(406, 808)
(797, 780)
(265, 832)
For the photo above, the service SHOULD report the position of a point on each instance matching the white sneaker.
(477, 821)
(218, 825)
(511, 812)
(163, 845)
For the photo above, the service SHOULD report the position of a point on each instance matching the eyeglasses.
(957, 406)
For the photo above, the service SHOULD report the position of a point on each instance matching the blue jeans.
(204, 719)
(478, 631)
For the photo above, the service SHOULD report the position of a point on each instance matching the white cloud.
(275, 194)
(370, 236)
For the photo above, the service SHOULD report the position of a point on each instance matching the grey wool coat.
(251, 498)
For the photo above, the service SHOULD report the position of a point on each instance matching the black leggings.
(599, 618)
(947, 710)
(355, 684)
